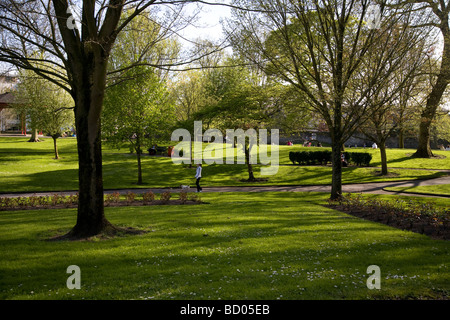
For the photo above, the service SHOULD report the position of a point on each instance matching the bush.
(195, 197)
(165, 196)
(324, 157)
(148, 196)
(183, 196)
(130, 197)
(112, 198)
(358, 158)
(310, 157)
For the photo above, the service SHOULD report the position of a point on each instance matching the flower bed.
(58, 201)
(424, 218)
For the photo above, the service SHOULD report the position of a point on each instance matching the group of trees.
(293, 60)
(47, 107)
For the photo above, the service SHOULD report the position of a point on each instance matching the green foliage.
(324, 157)
(441, 126)
(137, 111)
(358, 158)
(47, 106)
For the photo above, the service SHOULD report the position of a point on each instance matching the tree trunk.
(34, 136)
(251, 176)
(401, 139)
(384, 168)
(88, 96)
(336, 178)
(138, 152)
(90, 219)
(87, 61)
(433, 101)
(424, 149)
(190, 154)
(55, 147)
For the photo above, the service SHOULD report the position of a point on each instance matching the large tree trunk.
(87, 60)
(89, 93)
(336, 178)
(90, 219)
(34, 136)
(401, 139)
(384, 168)
(251, 176)
(424, 149)
(55, 147)
(433, 101)
(138, 153)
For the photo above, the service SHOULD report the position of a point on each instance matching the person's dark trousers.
(198, 185)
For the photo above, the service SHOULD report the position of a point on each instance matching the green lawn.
(238, 246)
(28, 167)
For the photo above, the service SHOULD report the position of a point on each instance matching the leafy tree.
(47, 105)
(389, 105)
(441, 127)
(319, 48)
(137, 111)
(434, 13)
(78, 54)
(188, 93)
(237, 99)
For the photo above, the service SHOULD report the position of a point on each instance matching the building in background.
(10, 121)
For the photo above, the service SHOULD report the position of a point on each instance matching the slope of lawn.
(29, 167)
(237, 246)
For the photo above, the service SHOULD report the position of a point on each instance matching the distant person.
(374, 146)
(344, 162)
(198, 176)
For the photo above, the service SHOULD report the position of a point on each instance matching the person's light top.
(198, 174)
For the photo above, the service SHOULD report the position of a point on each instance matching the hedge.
(323, 157)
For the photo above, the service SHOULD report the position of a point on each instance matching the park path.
(373, 187)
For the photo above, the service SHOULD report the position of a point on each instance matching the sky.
(208, 25)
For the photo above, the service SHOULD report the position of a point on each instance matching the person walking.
(198, 176)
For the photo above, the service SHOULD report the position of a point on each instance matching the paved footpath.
(375, 187)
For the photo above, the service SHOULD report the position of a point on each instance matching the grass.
(436, 189)
(238, 246)
(30, 167)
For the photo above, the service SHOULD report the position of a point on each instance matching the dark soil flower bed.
(57, 201)
(114, 204)
(419, 218)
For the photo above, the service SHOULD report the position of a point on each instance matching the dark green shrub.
(324, 157)
(292, 157)
(359, 158)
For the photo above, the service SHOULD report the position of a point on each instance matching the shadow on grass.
(250, 247)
